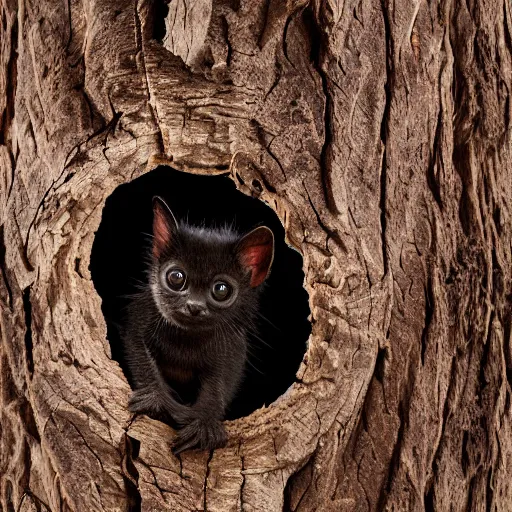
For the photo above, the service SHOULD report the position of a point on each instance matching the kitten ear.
(256, 252)
(164, 226)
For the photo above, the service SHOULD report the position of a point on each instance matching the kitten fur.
(186, 351)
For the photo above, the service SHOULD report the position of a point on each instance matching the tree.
(380, 134)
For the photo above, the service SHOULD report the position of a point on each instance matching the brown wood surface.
(379, 131)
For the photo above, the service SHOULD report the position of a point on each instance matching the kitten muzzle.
(192, 320)
(196, 309)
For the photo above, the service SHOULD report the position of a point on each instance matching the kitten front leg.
(152, 395)
(218, 386)
(206, 430)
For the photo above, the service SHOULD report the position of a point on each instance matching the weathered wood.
(379, 132)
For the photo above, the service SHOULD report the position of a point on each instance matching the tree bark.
(380, 134)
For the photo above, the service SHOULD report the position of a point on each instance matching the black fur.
(185, 351)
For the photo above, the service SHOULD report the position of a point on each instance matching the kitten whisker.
(255, 336)
(248, 361)
(263, 317)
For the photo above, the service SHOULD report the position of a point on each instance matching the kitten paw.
(201, 434)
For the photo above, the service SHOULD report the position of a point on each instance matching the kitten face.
(194, 297)
(205, 278)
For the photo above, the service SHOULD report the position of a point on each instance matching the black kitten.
(185, 339)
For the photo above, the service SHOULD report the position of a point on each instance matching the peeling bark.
(379, 132)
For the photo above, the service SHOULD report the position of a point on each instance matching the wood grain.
(379, 132)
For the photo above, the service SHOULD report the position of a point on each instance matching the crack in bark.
(129, 450)
(242, 485)
(96, 456)
(161, 490)
(28, 493)
(429, 313)
(29, 421)
(3, 268)
(277, 78)
(273, 156)
(141, 53)
(331, 234)
(7, 116)
(325, 165)
(284, 42)
(432, 181)
(27, 307)
(384, 132)
(94, 112)
(225, 28)
(207, 474)
(262, 136)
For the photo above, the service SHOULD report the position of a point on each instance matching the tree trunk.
(379, 132)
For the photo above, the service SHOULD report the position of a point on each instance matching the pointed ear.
(164, 226)
(256, 252)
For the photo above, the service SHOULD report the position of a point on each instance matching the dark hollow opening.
(118, 266)
(160, 12)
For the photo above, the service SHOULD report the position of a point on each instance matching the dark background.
(119, 261)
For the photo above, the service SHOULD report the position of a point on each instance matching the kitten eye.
(176, 279)
(221, 291)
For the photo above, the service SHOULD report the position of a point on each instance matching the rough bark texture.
(379, 132)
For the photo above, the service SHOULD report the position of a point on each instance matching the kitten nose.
(196, 308)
